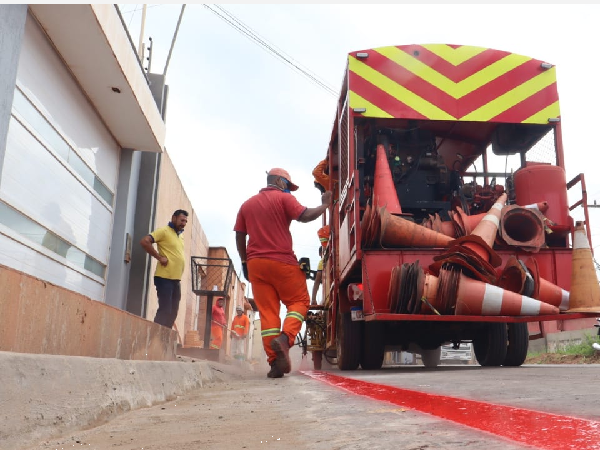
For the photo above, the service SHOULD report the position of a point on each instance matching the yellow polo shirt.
(169, 244)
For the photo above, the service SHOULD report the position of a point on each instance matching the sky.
(235, 110)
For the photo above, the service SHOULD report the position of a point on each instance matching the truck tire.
(348, 341)
(491, 344)
(373, 348)
(431, 357)
(518, 344)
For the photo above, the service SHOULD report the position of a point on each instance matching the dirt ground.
(557, 358)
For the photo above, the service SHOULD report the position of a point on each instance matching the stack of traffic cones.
(585, 291)
(455, 293)
(481, 240)
(384, 190)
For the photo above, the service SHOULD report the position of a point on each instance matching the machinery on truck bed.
(450, 221)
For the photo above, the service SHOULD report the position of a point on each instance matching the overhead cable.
(252, 35)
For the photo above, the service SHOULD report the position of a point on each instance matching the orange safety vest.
(240, 325)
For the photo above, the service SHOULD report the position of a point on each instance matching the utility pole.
(141, 41)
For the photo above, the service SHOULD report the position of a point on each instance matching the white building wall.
(59, 176)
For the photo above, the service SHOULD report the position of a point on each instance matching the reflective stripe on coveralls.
(272, 282)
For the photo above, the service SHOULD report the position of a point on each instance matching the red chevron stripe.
(529, 106)
(454, 73)
(497, 87)
(382, 99)
(410, 81)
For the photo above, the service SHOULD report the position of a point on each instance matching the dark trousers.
(169, 294)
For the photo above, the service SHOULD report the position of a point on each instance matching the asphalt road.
(304, 411)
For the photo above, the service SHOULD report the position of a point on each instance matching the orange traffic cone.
(487, 230)
(585, 291)
(544, 290)
(384, 191)
(522, 227)
(482, 299)
(540, 206)
(514, 278)
(399, 232)
(467, 223)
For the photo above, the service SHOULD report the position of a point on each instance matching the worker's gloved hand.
(245, 271)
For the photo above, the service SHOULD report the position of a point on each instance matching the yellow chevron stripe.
(512, 97)
(356, 101)
(454, 56)
(397, 91)
(455, 90)
(542, 116)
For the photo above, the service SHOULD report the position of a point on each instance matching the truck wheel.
(348, 341)
(491, 344)
(317, 358)
(373, 349)
(518, 344)
(431, 357)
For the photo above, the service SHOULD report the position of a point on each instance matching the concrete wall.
(39, 317)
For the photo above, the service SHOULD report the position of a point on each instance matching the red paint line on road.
(533, 428)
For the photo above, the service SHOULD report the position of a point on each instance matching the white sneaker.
(596, 346)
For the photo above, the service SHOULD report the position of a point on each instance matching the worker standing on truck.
(318, 278)
(269, 263)
(321, 174)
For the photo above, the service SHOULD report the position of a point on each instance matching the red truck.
(450, 221)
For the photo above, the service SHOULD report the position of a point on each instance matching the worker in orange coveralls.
(269, 263)
(321, 174)
(239, 332)
(217, 324)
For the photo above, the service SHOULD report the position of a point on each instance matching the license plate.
(357, 314)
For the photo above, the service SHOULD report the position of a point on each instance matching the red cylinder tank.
(538, 182)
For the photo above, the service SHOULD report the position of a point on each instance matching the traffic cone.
(486, 230)
(384, 190)
(514, 277)
(585, 291)
(544, 290)
(435, 223)
(481, 299)
(399, 232)
(522, 227)
(465, 222)
(540, 206)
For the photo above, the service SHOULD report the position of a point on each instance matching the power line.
(131, 19)
(135, 9)
(279, 50)
(250, 34)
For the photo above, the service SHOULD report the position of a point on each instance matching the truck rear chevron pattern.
(442, 82)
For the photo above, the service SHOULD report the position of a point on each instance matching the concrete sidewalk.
(44, 396)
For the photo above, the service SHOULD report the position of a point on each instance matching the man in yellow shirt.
(171, 258)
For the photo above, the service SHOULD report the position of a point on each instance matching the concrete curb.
(45, 396)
